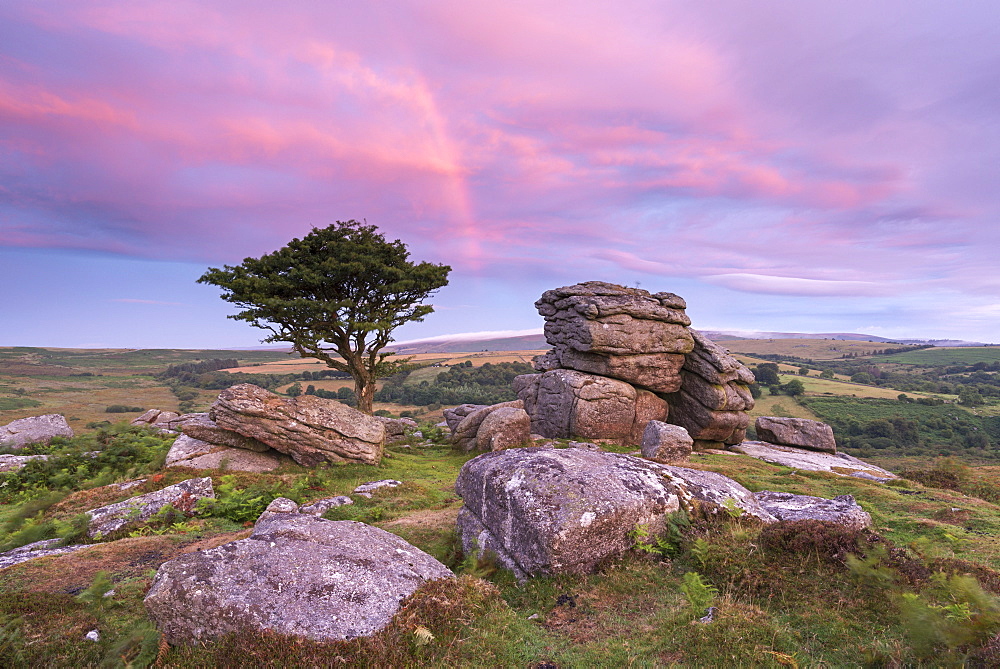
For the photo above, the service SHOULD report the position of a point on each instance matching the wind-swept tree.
(335, 295)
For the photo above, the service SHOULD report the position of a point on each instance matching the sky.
(782, 165)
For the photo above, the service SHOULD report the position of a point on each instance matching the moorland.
(919, 588)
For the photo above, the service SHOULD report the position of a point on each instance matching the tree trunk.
(364, 388)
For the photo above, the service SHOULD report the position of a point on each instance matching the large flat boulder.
(797, 432)
(34, 430)
(38, 549)
(565, 403)
(842, 509)
(187, 451)
(137, 510)
(308, 428)
(841, 464)
(296, 574)
(548, 511)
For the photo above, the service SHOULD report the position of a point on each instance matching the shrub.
(121, 408)
(87, 461)
(828, 541)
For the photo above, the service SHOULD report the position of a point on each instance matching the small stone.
(375, 485)
(664, 442)
(282, 505)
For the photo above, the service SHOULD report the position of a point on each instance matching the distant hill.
(461, 344)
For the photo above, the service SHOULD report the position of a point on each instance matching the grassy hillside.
(785, 595)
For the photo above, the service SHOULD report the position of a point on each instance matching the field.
(934, 357)
(82, 383)
(812, 349)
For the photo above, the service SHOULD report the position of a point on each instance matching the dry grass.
(84, 400)
(126, 558)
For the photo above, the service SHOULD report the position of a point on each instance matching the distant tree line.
(193, 368)
(975, 384)
(866, 425)
(488, 384)
(907, 348)
(766, 374)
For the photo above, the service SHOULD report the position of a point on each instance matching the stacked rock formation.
(714, 396)
(622, 357)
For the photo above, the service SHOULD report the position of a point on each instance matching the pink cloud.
(657, 138)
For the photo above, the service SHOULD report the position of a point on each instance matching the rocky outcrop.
(664, 442)
(187, 451)
(308, 428)
(796, 432)
(797, 458)
(548, 511)
(466, 431)
(165, 421)
(454, 416)
(34, 430)
(618, 351)
(566, 403)
(714, 397)
(133, 512)
(842, 509)
(622, 333)
(296, 574)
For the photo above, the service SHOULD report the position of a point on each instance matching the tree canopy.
(335, 295)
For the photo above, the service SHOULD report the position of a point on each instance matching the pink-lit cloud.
(782, 148)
